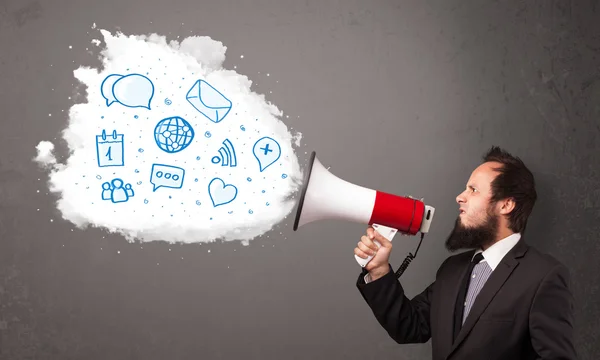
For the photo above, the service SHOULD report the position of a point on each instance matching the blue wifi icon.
(226, 155)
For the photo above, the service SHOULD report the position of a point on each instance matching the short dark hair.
(513, 181)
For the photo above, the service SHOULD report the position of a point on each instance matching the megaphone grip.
(363, 262)
(386, 232)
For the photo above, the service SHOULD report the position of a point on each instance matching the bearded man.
(500, 299)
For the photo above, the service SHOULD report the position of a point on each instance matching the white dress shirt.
(493, 255)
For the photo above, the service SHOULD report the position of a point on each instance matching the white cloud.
(45, 154)
(161, 74)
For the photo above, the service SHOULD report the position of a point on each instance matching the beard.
(462, 237)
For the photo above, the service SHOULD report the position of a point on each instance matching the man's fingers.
(370, 232)
(369, 243)
(358, 252)
(366, 249)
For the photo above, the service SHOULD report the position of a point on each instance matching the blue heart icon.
(221, 193)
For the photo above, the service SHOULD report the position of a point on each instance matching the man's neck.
(502, 234)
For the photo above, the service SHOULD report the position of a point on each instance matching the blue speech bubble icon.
(166, 176)
(133, 90)
(266, 150)
(107, 86)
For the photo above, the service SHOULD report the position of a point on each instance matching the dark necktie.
(462, 294)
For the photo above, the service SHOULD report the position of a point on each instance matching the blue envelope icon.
(208, 101)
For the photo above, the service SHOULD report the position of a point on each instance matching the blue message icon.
(221, 193)
(266, 150)
(109, 149)
(133, 90)
(166, 176)
(173, 134)
(208, 101)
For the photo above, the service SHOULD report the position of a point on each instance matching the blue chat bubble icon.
(133, 90)
(166, 176)
(266, 150)
(107, 86)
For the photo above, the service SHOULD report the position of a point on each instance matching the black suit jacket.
(524, 310)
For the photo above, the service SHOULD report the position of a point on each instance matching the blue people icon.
(116, 192)
(106, 191)
(119, 194)
(128, 190)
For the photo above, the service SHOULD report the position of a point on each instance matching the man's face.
(478, 219)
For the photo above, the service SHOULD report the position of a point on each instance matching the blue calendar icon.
(109, 149)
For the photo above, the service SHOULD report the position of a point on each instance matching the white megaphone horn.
(325, 196)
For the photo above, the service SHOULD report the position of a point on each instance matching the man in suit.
(503, 299)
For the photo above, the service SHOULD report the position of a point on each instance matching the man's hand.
(379, 264)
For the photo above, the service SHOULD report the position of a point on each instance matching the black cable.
(410, 257)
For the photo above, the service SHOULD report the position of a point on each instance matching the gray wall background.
(401, 96)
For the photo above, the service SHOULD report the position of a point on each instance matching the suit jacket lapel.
(451, 285)
(489, 290)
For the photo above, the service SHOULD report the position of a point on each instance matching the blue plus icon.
(266, 149)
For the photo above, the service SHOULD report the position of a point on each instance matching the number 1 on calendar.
(109, 149)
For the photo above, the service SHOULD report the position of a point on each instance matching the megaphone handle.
(386, 232)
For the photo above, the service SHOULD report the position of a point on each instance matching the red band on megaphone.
(401, 213)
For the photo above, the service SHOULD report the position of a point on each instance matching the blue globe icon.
(173, 134)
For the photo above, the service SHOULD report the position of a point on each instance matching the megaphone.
(325, 196)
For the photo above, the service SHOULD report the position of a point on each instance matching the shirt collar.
(495, 253)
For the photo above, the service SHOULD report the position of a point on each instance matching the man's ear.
(506, 206)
